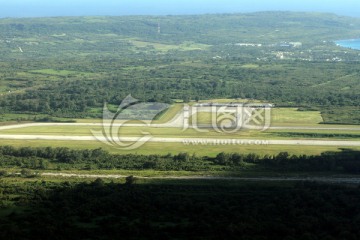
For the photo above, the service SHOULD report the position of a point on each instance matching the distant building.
(252, 105)
(296, 44)
(248, 44)
(290, 44)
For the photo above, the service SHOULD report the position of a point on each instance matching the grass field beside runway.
(175, 148)
(279, 117)
(170, 113)
(164, 117)
(189, 133)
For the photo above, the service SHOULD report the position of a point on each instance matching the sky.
(42, 8)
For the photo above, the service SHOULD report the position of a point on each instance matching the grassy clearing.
(188, 133)
(175, 148)
(250, 66)
(88, 120)
(279, 117)
(186, 46)
(54, 72)
(155, 46)
(293, 116)
(20, 117)
(71, 130)
(191, 46)
(202, 118)
(55, 130)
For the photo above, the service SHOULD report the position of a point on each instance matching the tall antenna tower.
(159, 28)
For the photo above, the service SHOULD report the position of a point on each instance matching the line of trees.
(58, 158)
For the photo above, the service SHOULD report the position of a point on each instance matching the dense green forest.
(68, 67)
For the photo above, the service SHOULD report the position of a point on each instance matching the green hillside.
(70, 66)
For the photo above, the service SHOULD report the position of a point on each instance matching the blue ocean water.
(351, 43)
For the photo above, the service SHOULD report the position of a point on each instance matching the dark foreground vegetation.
(187, 210)
(346, 161)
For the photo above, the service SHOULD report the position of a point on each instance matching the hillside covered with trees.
(68, 67)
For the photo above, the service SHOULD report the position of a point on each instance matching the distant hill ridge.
(265, 27)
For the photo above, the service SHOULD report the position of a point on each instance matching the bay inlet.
(350, 43)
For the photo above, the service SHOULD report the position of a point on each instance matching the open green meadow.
(185, 46)
(188, 133)
(54, 72)
(175, 148)
(290, 116)
(279, 117)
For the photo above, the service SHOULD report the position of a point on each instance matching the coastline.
(349, 43)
